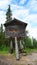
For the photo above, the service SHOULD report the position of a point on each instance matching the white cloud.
(4, 4)
(21, 14)
(33, 6)
(32, 25)
(22, 1)
(16, 7)
(2, 17)
(32, 18)
(32, 31)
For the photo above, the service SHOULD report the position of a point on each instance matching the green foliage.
(4, 43)
(34, 43)
(1, 28)
(4, 48)
(29, 50)
(28, 42)
(8, 14)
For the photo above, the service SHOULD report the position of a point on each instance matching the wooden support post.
(32, 41)
(21, 46)
(16, 48)
(11, 47)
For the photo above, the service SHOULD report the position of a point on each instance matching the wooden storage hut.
(15, 29)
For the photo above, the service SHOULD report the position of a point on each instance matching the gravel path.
(24, 60)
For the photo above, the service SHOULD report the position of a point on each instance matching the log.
(21, 46)
(11, 47)
(16, 49)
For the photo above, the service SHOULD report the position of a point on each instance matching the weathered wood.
(32, 41)
(15, 28)
(21, 46)
(15, 33)
(11, 47)
(16, 48)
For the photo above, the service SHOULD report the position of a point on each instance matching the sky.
(24, 10)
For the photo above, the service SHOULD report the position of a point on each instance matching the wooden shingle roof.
(15, 21)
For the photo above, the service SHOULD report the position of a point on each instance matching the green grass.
(34, 50)
(4, 49)
(4, 52)
(29, 51)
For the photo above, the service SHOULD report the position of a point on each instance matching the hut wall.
(15, 30)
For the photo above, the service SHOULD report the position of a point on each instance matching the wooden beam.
(16, 48)
(21, 46)
(11, 47)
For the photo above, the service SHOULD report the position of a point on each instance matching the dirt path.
(24, 60)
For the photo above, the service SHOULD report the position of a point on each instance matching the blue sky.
(24, 10)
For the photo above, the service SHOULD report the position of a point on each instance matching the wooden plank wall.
(15, 31)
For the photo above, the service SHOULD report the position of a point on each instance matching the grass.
(34, 50)
(29, 51)
(5, 50)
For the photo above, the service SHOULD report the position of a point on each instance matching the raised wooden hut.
(15, 29)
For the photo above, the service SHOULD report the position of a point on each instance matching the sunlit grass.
(29, 51)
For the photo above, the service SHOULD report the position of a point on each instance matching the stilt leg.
(16, 48)
(21, 46)
(11, 47)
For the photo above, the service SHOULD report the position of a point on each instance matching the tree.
(8, 14)
(9, 18)
(34, 43)
(1, 28)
